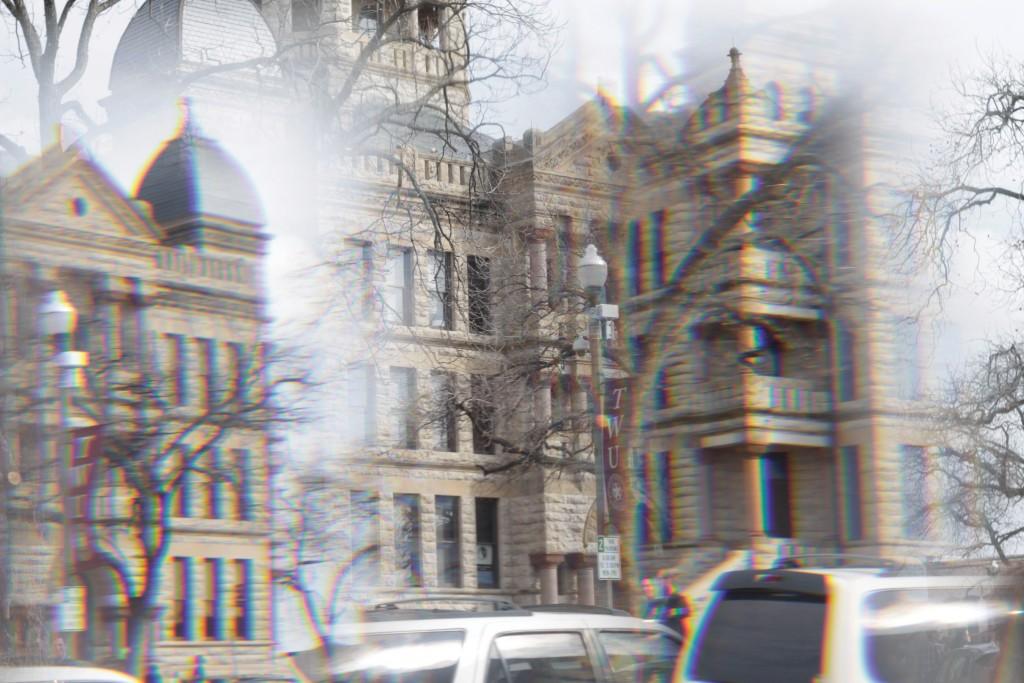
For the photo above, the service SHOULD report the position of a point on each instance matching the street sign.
(71, 613)
(609, 560)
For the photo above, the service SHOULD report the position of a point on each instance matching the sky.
(905, 49)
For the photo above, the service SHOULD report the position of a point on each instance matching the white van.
(62, 674)
(855, 625)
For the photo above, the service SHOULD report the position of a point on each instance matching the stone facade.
(146, 298)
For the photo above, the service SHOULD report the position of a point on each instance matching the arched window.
(766, 356)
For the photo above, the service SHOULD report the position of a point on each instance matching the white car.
(62, 674)
(395, 644)
(855, 625)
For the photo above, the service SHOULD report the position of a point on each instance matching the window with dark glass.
(778, 506)
(663, 467)
(214, 601)
(853, 521)
(635, 258)
(429, 19)
(662, 394)
(449, 552)
(487, 574)
(846, 364)
(398, 287)
(915, 494)
(242, 484)
(659, 255)
(361, 395)
(177, 369)
(445, 423)
(404, 425)
(183, 500)
(365, 506)
(214, 486)
(408, 562)
(305, 15)
(483, 415)
(207, 371)
(479, 291)
(441, 290)
(243, 602)
(181, 606)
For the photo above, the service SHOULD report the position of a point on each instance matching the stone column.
(583, 565)
(546, 567)
(538, 255)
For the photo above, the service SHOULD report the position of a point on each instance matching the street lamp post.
(57, 320)
(593, 273)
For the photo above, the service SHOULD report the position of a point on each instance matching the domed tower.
(201, 197)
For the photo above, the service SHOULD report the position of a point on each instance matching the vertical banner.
(614, 423)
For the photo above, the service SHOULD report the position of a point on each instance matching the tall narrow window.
(659, 257)
(183, 508)
(449, 552)
(778, 521)
(181, 607)
(365, 538)
(243, 601)
(849, 468)
(243, 503)
(846, 367)
(213, 626)
(479, 286)
(667, 502)
(645, 511)
(305, 15)
(398, 288)
(365, 15)
(408, 563)
(177, 369)
(444, 420)
(662, 393)
(915, 500)
(356, 273)
(404, 426)
(483, 412)
(214, 486)
(361, 395)
(208, 371)
(429, 20)
(441, 290)
(487, 574)
(635, 258)
(237, 369)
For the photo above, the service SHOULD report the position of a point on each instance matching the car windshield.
(413, 657)
(760, 636)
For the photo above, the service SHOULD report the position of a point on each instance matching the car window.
(539, 658)
(413, 657)
(639, 656)
(760, 636)
(945, 636)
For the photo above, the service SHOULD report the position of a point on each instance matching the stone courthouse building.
(767, 413)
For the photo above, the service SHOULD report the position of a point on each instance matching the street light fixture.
(57, 321)
(593, 273)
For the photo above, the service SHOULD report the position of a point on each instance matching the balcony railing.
(784, 395)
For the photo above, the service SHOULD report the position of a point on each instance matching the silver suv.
(856, 624)
(396, 643)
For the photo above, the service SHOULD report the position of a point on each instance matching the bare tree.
(146, 454)
(42, 36)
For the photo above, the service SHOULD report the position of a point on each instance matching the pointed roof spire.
(189, 126)
(734, 57)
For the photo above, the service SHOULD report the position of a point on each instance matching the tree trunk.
(137, 633)
(49, 116)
